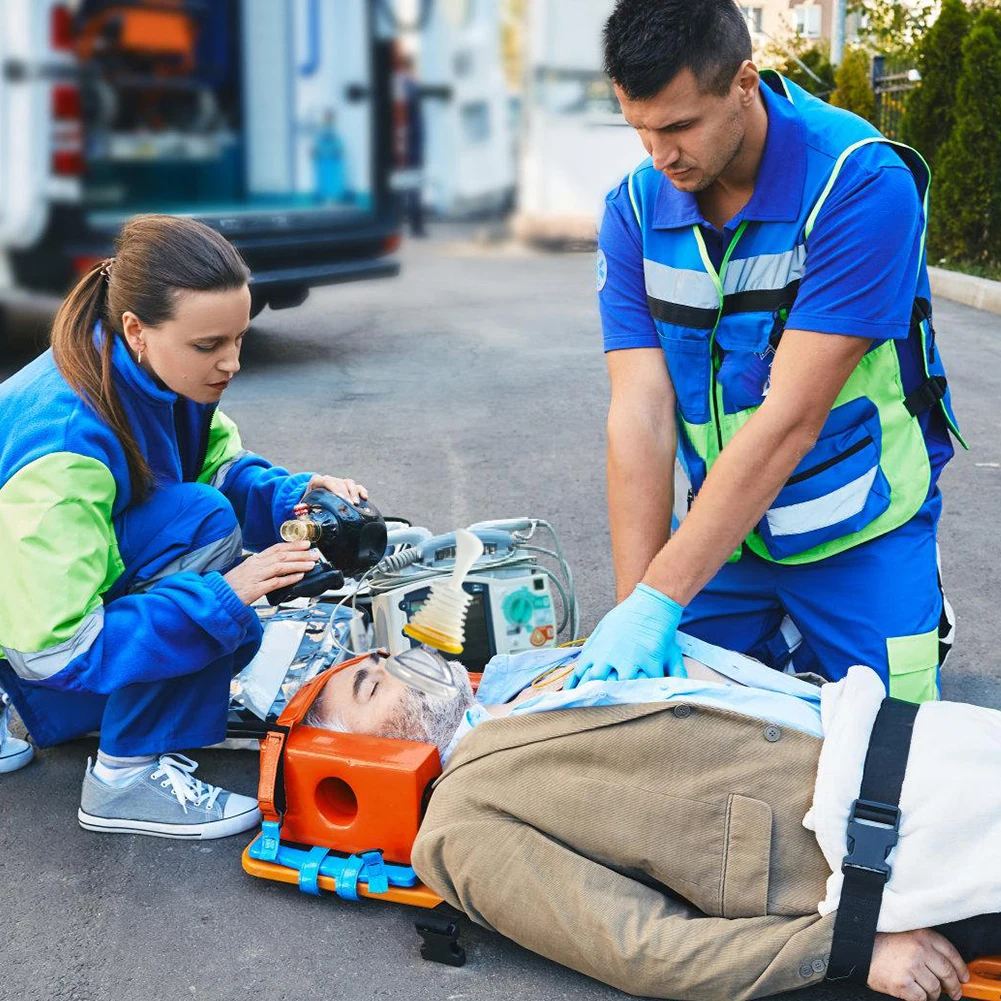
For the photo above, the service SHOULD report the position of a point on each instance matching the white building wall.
(469, 140)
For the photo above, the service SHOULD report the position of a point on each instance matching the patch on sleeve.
(602, 274)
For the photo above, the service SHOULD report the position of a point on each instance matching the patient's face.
(365, 696)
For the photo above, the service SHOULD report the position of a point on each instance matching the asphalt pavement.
(471, 387)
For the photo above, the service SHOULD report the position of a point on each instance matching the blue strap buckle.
(371, 865)
(270, 841)
(873, 829)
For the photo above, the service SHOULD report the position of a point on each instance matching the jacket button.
(772, 733)
(806, 971)
(818, 966)
(682, 712)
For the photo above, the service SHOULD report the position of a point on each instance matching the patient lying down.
(682, 837)
(366, 698)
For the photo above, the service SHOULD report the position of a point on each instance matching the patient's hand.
(916, 966)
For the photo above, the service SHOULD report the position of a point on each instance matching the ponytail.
(87, 367)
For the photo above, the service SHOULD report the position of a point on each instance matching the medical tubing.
(388, 582)
(564, 566)
(570, 607)
(353, 596)
(562, 558)
(563, 597)
(397, 561)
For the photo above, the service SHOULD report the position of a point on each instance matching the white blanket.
(947, 863)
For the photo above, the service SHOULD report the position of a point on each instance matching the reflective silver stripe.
(223, 471)
(45, 663)
(219, 555)
(808, 516)
(766, 271)
(679, 286)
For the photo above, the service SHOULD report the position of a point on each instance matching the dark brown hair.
(156, 257)
(648, 42)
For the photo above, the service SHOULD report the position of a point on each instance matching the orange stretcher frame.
(345, 792)
(985, 979)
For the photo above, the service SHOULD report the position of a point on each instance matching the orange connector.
(985, 979)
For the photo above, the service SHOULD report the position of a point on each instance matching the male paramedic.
(766, 314)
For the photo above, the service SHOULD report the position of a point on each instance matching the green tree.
(931, 108)
(816, 60)
(966, 220)
(853, 90)
(891, 27)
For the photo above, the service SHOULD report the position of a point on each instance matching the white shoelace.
(4, 718)
(176, 770)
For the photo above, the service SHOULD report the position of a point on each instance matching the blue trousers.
(879, 604)
(181, 526)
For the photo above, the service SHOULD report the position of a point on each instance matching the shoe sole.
(208, 831)
(12, 762)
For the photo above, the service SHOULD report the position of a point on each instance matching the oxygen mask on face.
(423, 669)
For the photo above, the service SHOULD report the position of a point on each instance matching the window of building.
(806, 20)
(753, 17)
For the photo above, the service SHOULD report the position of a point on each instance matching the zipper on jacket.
(717, 278)
(203, 446)
(832, 461)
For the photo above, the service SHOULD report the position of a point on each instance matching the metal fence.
(891, 82)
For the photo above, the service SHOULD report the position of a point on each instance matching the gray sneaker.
(165, 801)
(14, 753)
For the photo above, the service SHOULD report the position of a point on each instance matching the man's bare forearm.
(640, 496)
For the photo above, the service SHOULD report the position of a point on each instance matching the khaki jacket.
(657, 848)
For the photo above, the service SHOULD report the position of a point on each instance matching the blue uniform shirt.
(862, 256)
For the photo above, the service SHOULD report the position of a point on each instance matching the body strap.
(873, 830)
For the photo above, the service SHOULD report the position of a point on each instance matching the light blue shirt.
(751, 688)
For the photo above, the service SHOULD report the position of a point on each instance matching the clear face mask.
(425, 670)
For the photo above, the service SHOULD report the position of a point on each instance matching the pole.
(840, 12)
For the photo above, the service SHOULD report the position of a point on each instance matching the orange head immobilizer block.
(344, 791)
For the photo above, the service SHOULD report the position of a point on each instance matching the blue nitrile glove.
(636, 639)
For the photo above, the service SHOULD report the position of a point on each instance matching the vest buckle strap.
(930, 392)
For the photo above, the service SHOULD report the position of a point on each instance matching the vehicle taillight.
(67, 123)
(61, 28)
(65, 102)
(392, 243)
(67, 163)
(67, 131)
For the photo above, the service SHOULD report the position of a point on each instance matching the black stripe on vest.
(683, 316)
(762, 300)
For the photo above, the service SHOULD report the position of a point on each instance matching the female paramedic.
(125, 502)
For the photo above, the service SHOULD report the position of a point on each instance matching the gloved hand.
(635, 639)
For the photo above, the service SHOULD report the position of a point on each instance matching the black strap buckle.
(873, 829)
(926, 395)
